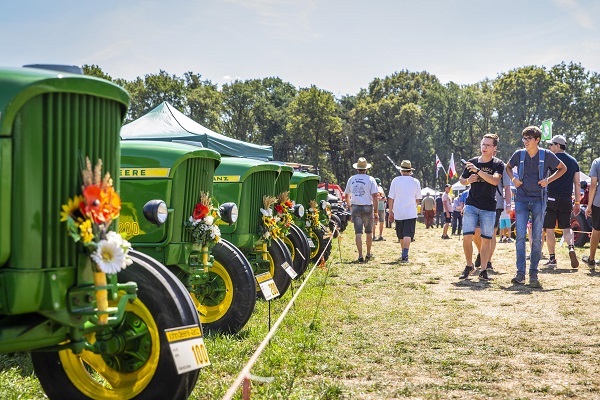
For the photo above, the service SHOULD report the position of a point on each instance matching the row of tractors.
(272, 221)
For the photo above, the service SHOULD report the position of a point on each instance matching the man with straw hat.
(361, 196)
(403, 198)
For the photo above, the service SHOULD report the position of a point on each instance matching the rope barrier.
(244, 374)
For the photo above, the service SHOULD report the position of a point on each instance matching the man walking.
(439, 211)
(593, 210)
(533, 165)
(361, 197)
(428, 206)
(403, 198)
(483, 174)
(447, 203)
(559, 204)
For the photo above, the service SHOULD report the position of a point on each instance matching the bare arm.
(391, 208)
(516, 181)
(577, 184)
(560, 171)
(591, 195)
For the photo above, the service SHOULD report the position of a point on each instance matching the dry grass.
(415, 331)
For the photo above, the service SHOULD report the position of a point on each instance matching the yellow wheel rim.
(315, 239)
(219, 282)
(290, 247)
(90, 374)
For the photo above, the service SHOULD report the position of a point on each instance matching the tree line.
(406, 115)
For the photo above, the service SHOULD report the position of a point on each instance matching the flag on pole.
(451, 168)
(438, 165)
(546, 129)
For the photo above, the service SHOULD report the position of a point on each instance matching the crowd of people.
(547, 193)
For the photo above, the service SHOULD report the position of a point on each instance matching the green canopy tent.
(165, 123)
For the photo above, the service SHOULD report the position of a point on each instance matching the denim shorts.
(362, 215)
(473, 217)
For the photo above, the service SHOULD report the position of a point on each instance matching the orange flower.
(111, 203)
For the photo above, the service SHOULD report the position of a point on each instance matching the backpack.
(541, 172)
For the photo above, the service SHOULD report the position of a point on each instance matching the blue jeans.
(473, 217)
(522, 210)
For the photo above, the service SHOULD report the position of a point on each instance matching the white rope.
(245, 373)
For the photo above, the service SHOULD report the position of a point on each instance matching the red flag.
(451, 168)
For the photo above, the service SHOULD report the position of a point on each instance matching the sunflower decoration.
(282, 210)
(88, 217)
(268, 228)
(203, 222)
(312, 216)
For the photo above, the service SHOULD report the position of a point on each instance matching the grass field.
(385, 330)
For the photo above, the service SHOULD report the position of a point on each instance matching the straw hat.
(406, 166)
(361, 164)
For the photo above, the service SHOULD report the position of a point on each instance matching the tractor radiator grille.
(192, 177)
(261, 184)
(53, 134)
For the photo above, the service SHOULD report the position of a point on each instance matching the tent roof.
(165, 123)
(428, 190)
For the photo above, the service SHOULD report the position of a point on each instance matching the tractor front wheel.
(145, 368)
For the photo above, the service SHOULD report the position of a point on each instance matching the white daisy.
(110, 257)
(209, 220)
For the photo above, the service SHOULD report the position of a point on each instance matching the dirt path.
(415, 331)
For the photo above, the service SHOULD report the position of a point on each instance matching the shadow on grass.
(558, 270)
(472, 284)
(526, 289)
(593, 273)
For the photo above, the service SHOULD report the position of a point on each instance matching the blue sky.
(337, 45)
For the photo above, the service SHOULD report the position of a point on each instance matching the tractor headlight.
(156, 212)
(229, 212)
(298, 210)
(325, 205)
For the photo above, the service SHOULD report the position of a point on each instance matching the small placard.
(188, 348)
(267, 286)
(290, 271)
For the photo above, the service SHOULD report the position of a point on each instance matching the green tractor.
(238, 179)
(249, 183)
(295, 239)
(303, 190)
(91, 334)
(218, 276)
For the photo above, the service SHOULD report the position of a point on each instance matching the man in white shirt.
(403, 198)
(361, 197)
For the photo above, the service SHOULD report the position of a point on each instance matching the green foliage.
(406, 115)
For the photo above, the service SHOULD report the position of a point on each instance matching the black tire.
(579, 225)
(278, 255)
(162, 303)
(297, 244)
(335, 225)
(227, 301)
(322, 240)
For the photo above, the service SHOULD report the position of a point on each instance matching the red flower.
(278, 208)
(200, 211)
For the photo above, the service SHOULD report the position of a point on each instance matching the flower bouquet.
(282, 209)
(203, 222)
(268, 228)
(312, 216)
(88, 217)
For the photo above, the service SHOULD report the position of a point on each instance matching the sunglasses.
(527, 138)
